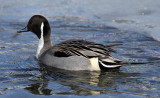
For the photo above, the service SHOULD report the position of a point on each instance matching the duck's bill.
(23, 30)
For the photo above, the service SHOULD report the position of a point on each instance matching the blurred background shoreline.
(136, 15)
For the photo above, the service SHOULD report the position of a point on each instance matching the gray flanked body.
(67, 63)
(71, 54)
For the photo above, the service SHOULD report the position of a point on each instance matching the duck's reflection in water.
(57, 81)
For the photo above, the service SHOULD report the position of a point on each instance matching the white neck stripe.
(41, 41)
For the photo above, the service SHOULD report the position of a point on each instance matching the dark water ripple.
(20, 74)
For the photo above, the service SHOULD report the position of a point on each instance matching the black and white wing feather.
(87, 49)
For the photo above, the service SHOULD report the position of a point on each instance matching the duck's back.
(76, 55)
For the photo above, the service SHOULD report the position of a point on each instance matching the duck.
(72, 54)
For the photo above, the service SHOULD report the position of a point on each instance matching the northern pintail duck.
(71, 54)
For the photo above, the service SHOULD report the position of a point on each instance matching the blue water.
(104, 22)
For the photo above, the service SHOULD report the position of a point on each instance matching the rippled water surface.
(22, 76)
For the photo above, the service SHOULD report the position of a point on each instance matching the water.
(22, 76)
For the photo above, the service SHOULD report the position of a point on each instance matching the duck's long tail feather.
(111, 63)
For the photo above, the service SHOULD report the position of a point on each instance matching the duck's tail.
(111, 63)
